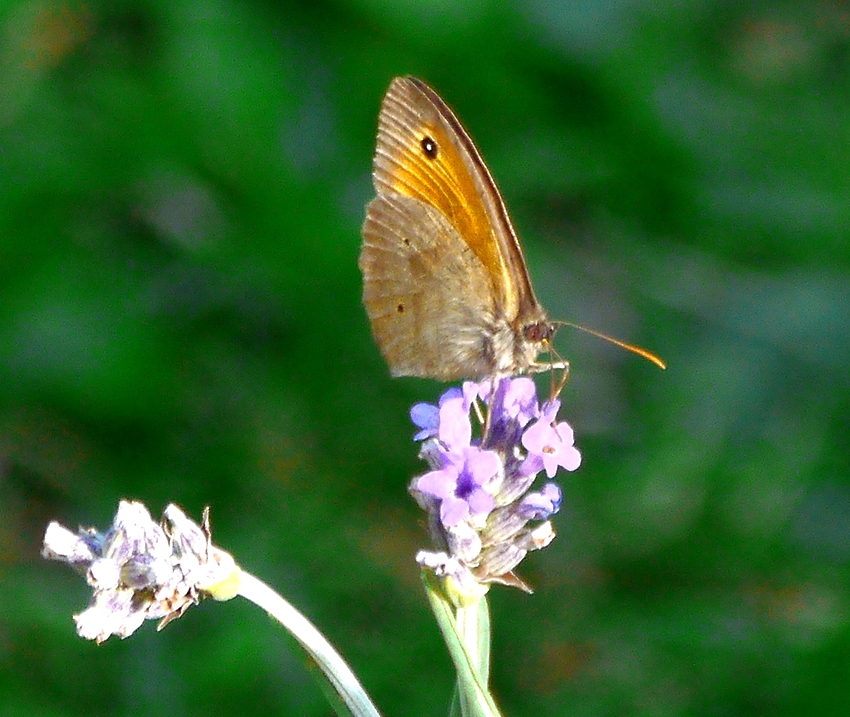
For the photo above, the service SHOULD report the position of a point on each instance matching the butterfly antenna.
(648, 355)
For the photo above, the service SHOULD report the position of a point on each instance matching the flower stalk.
(143, 570)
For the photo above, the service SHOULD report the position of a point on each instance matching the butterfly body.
(446, 286)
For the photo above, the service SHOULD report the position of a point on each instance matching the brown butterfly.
(445, 283)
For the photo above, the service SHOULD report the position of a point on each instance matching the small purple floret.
(426, 417)
(455, 431)
(461, 486)
(543, 504)
(552, 442)
(519, 402)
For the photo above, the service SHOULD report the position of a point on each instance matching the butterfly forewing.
(452, 178)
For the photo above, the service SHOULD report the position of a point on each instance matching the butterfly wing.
(451, 177)
(417, 274)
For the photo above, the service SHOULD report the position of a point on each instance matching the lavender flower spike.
(483, 515)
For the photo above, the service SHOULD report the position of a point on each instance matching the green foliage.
(181, 188)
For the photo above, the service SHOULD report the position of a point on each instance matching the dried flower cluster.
(142, 570)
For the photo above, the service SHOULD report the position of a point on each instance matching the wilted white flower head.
(142, 570)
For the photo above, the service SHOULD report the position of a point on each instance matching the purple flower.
(426, 417)
(551, 443)
(471, 391)
(449, 420)
(540, 505)
(481, 511)
(515, 399)
(455, 430)
(462, 485)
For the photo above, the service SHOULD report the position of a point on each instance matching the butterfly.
(445, 283)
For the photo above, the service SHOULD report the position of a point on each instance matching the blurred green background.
(182, 184)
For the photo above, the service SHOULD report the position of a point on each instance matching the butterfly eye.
(539, 331)
(429, 146)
